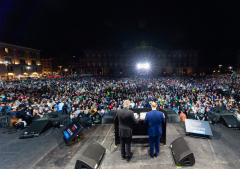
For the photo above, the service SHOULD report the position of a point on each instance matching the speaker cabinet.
(230, 121)
(39, 127)
(173, 118)
(112, 112)
(91, 157)
(71, 134)
(181, 152)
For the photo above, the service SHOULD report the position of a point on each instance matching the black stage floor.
(222, 151)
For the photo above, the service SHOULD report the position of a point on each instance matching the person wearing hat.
(126, 119)
(154, 119)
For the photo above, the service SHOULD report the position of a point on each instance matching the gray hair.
(126, 103)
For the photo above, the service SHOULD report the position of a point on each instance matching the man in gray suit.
(126, 120)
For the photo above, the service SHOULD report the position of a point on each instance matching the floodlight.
(147, 66)
(139, 66)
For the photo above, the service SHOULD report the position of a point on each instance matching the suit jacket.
(154, 119)
(126, 120)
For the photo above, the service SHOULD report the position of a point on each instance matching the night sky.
(64, 28)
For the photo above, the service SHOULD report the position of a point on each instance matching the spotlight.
(147, 66)
(139, 66)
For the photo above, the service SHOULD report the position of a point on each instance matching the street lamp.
(230, 67)
(219, 67)
(65, 71)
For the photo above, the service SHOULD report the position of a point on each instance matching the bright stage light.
(143, 66)
(147, 66)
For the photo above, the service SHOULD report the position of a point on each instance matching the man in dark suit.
(154, 119)
(126, 120)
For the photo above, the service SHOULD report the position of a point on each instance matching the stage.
(49, 151)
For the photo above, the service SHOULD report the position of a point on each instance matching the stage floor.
(48, 151)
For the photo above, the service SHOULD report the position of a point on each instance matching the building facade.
(116, 63)
(46, 67)
(18, 60)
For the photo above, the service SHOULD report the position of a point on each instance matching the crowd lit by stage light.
(143, 66)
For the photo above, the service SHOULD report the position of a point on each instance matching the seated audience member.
(13, 120)
(36, 114)
(76, 118)
(206, 113)
(237, 114)
(200, 116)
(175, 109)
(191, 114)
(97, 119)
(182, 116)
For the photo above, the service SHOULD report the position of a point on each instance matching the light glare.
(143, 66)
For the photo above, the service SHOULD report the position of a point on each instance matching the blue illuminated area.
(66, 134)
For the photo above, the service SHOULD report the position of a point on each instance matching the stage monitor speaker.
(71, 133)
(112, 112)
(181, 152)
(107, 119)
(91, 157)
(39, 127)
(230, 121)
(169, 111)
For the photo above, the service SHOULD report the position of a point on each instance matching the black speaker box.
(107, 119)
(173, 118)
(72, 133)
(169, 111)
(39, 127)
(91, 157)
(181, 152)
(230, 121)
(112, 113)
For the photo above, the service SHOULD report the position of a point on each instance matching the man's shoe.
(129, 157)
(155, 155)
(123, 158)
(151, 155)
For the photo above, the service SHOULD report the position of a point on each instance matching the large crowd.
(192, 97)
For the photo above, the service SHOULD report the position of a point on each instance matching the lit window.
(6, 50)
(180, 55)
(99, 63)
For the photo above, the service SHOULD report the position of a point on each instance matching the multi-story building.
(47, 67)
(117, 62)
(18, 60)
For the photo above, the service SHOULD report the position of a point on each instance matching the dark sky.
(63, 27)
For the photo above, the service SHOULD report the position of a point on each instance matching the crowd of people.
(191, 97)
